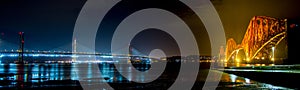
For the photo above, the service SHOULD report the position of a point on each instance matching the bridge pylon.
(21, 48)
(74, 47)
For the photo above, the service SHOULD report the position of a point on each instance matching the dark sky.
(49, 24)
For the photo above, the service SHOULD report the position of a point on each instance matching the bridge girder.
(262, 33)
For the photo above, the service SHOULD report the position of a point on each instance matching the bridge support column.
(21, 48)
(74, 47)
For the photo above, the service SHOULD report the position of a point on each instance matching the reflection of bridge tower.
(74, 50)
(21, 47)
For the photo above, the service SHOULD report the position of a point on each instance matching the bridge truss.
(262, 36)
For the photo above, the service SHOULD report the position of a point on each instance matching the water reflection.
(54, 75)
(233, 77)
(247, 80)
(33, 75)
(231, 81)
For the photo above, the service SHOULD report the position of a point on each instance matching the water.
(37, 76)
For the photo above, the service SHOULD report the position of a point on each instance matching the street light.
(236, 57)
(273, 53)
(248, 59)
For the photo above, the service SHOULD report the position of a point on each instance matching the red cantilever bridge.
(262, 36)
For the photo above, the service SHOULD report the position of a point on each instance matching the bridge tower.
(74, 46)
(21, 47)
(74, 51)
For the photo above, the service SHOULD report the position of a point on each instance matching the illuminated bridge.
(23, 55)
(62, 56)
(20, 54)
(260, 40)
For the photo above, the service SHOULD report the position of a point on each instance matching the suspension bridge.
(20, 54)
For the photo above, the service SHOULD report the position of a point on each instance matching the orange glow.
(238, 64)
(262, 32)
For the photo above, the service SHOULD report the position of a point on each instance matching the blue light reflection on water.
(34, 72)
(38, 73)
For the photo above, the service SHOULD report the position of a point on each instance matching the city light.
(65, 51)
(248, 59)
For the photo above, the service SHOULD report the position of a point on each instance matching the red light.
(292, 25)
(20, 33)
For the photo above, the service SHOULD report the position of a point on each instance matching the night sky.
(236, 14)
(49, 24)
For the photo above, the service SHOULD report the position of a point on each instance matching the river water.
(40, 75)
